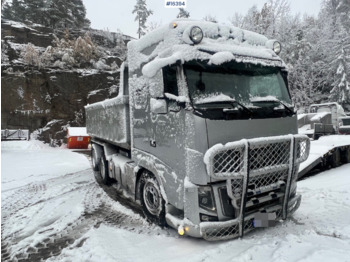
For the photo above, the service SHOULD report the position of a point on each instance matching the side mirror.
(159, 106)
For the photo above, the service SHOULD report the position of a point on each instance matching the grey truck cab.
(203, 133)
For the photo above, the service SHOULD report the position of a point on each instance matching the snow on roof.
(77, 131)
(221, 43)
(319, 116)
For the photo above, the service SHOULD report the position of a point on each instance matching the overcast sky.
(117, 14)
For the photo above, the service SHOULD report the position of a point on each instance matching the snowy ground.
(53, 208)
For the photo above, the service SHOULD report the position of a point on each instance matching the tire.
(104, 170)
(152, 202)
(94, 160)
(335, 158)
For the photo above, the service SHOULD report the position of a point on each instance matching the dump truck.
(203, 134)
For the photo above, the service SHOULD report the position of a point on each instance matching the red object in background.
(77, 138)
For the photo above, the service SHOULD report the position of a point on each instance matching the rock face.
(47, 100)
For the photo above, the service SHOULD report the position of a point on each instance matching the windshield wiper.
(231, 102)
(243, 106)
(276, 101)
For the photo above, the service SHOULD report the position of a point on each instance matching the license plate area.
(80, 138)
(264, 219)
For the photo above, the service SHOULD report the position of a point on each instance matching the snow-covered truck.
(322, 119)
(203, 134)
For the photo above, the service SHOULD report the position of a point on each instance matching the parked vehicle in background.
(344, 127)
(322, 119)
(203, 132)
(14, 134)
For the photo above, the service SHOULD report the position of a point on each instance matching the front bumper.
(224, 230)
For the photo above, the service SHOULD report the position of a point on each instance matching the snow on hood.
(221, 43)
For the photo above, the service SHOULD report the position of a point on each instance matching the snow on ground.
(59, 212)
(21, 164)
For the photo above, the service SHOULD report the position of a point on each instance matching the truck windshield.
(248, 85)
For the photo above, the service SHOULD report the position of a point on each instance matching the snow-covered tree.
(84, 49)
(183, 13)
(210, 18)
(53, 13)
(30, 56)
(36, 11)
(341, 90)
(142, 14)
(14, 11)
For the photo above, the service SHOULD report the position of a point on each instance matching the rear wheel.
(152, 202)
(104, 170)
(94, 159)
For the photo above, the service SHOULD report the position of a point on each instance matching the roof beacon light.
(196, 34)
(277, 47)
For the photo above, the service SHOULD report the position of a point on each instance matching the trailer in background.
(18, 134)
(327, 152)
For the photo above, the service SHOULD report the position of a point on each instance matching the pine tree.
(142, 13)
(183, 13)
(15, 11)
(36, 11)
(53, 13)
(79, 14)
(341, 90)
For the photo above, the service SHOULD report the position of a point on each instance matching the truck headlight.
(206, 198)
(196, 34)
(277, 47)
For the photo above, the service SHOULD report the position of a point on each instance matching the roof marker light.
(196, 34)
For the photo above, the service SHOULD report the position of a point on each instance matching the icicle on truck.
(203, 133)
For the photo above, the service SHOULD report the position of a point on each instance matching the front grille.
(302, 149)
(258, 174)
(229, 161)
(269, 155)
(255, 156)
(248, 225)
(267, 179)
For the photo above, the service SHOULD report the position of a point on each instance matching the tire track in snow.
(97, 201)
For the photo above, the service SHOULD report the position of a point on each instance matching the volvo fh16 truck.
(203, 134)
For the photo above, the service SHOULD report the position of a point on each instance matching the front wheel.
(152, 202)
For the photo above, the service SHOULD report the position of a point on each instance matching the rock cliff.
(47, 98)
